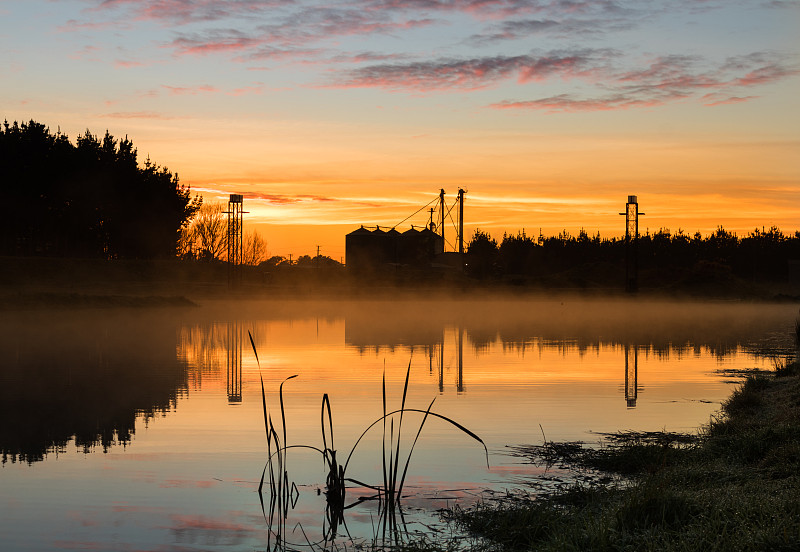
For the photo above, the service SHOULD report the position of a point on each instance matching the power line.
(420, 209)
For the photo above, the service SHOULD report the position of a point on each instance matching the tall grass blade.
(400, 427)
(413, 444)
(253, 344)
(383, 447)
(283, 413)
(326, 405)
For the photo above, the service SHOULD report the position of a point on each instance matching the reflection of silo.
(234, 362)
(631, 374)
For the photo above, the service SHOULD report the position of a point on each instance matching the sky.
(329, 116)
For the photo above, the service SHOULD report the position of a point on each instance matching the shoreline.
(87, 279)
(733, 486)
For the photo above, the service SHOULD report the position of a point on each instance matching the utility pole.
(441, 211)
(461, 221)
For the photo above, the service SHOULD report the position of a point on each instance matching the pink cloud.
(246, 90)
(124, 64)
(214, 44)
(731, 100)
(179, 12)
(477, 73)
(190, 90)
(74, 25)
(669, 79)
(280, 199)
(766, 75)
(137, 115)
(566, 103)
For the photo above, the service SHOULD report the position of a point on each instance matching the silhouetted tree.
(255, 248)
(208, 232)
(91, 199)
(481, 255)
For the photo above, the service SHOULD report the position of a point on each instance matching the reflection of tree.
(202, 346)
(85, 377)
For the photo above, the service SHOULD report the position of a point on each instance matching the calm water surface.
(143, 430)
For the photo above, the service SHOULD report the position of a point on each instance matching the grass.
(734, 486)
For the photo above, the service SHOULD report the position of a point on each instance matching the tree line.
(87, 199)
(761, 254)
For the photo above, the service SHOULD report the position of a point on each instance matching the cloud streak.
(477, 73)
(672, 78)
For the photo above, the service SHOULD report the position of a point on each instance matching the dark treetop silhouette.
(91, 199)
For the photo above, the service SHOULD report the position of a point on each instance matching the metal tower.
(234, 238)
(632, 244)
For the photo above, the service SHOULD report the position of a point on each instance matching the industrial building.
(368, 249)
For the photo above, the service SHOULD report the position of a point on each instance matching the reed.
(388, 494)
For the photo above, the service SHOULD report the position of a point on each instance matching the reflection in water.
(84, 377)
(234, 349)
(460, 381)
(631, 374)
(188, 477)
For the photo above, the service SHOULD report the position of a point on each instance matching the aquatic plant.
(388, 493)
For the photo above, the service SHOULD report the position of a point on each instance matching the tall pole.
(441, 212)
(461, 221)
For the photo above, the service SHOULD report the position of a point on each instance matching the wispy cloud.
(190, 90)
(181, 12)
(281, 199)
(731, 100)
(138, 115)
(672, 78)
(128, 64)
(73, 25)
(477, 73)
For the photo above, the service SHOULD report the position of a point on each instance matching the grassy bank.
(734, 486)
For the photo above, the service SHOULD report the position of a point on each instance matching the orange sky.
(327, 117)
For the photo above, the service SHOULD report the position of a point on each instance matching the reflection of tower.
(234, 345)
(631, 374)
(460, 383)
(441, 364)
(631, 244)
(234, 238)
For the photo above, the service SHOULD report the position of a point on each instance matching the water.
(143, 429)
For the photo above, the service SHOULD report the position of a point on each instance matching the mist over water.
(144, 427)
